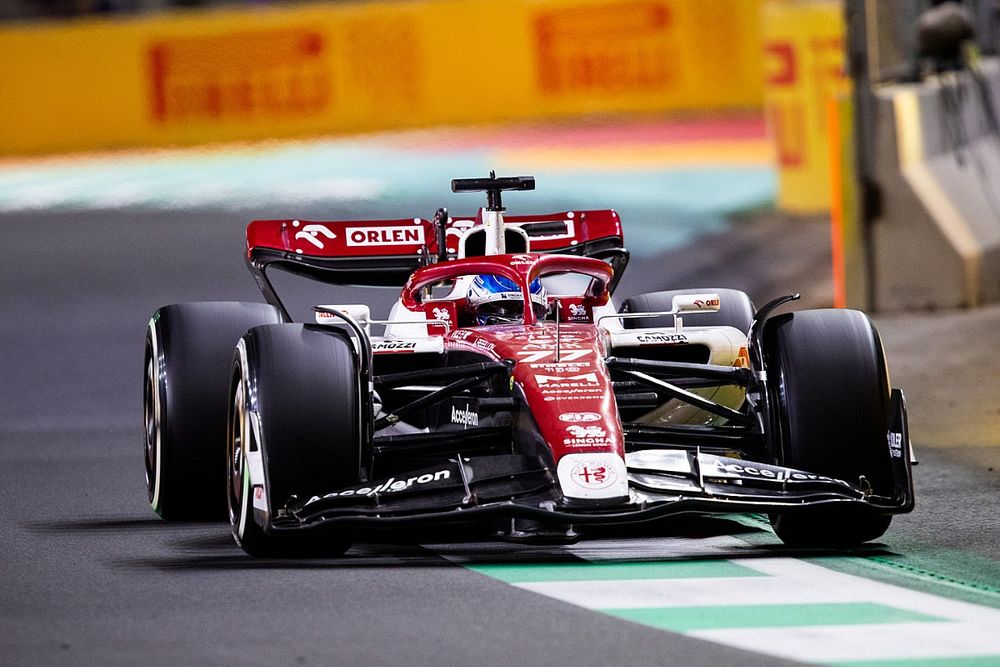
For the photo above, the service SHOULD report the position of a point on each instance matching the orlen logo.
(311, 234)
(577, 417)
(706, 303)
(376, 236)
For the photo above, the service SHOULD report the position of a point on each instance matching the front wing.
(662, 482)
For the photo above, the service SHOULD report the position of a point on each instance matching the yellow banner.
(803, 69)
(207, 76)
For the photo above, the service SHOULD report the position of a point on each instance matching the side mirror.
(360, 312)
(696, 303)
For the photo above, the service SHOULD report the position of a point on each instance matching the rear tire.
(188, 352)
(831, 386)
(736, 309)
(295, 430)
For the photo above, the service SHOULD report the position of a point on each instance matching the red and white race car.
(505, 388)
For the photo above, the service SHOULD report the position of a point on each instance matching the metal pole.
(863, 102)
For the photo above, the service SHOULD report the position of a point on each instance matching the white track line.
(964, 629)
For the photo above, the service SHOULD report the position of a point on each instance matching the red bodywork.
(562, 376)
(569, 393)
(559, 368)
(373, 238)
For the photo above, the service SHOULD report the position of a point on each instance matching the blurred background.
(684, 114)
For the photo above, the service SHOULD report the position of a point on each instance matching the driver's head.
(497, 300)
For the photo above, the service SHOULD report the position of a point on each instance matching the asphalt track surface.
(90, 576)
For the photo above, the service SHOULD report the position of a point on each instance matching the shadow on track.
(191, 547)
(111, 525)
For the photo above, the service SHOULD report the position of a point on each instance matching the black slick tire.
(829, 381)
(188, 352)
(294, 431)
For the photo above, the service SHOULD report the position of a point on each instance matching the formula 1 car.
(506, 390)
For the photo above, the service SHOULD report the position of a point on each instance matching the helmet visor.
(507, 311)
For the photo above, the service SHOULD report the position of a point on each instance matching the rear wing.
(383, 253)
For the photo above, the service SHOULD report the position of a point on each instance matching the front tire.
(188, 352)
(295, 427)
(830, 384)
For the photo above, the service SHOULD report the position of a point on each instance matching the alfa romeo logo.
(593, 475)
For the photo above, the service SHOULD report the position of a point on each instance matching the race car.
(506, 390)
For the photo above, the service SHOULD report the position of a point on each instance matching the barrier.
(935, 242)
(223, 75)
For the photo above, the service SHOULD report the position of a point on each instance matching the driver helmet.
(497, 300)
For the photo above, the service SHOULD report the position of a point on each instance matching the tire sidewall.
(190, 348)
(305, 445)
(830, 397)
(832, 391)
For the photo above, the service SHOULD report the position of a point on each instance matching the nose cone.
(593, 476)
(569, 392)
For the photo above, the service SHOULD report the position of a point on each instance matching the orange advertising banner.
(221, 75)
(607, 48)
(234, 77)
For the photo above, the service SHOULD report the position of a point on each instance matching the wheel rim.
(236, 468)
(151, 414)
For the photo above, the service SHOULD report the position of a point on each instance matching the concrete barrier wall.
(206, 76)
(936, 241)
